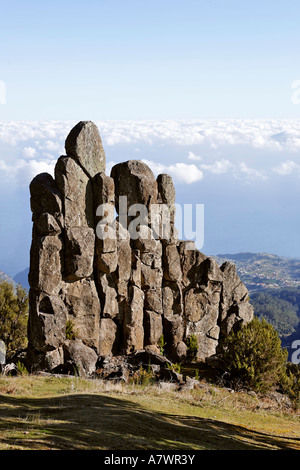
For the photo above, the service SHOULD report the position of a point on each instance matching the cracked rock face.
(97, 264)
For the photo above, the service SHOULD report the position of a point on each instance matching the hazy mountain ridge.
(20, 278)
(5, 277)
(260, 271)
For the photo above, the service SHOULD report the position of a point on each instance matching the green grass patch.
(71, 413)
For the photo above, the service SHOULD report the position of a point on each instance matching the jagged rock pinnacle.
(118, 294)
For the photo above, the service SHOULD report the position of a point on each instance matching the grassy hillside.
(70, 413)
(274, 307)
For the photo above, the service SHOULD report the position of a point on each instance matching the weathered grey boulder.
(172, 271)
(106, 254)
(134, 320)
(79, 243)
(84, 144)
(45, 274)
(46, 224)
(166, 190)
(191, 261)
(235, 308)
(47, 321)
(77, 193)
(166, 216)
(45, 196)
(153, 327)
(82, 358)
(104, 191)
(109, 296)
(124, 267)
(172, 298)
(108, 336)
(146, 356)
(174, 335)
(82, 301)
(135, 181)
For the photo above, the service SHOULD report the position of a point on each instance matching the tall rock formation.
(106, 263)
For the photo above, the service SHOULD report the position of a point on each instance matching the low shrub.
(254, 357)
(192, 347)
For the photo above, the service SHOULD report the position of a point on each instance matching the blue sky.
(130, 59)
(202, 89)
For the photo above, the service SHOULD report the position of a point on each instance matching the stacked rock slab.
(98, 285)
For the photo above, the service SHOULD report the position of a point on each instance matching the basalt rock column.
(62, 287)
(48, 314)
(135, 184)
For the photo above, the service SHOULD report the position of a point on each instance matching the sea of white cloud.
(29, 148)
(246, 172)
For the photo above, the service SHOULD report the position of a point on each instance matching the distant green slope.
(279, 309)
(261, 271)
(274, 288)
